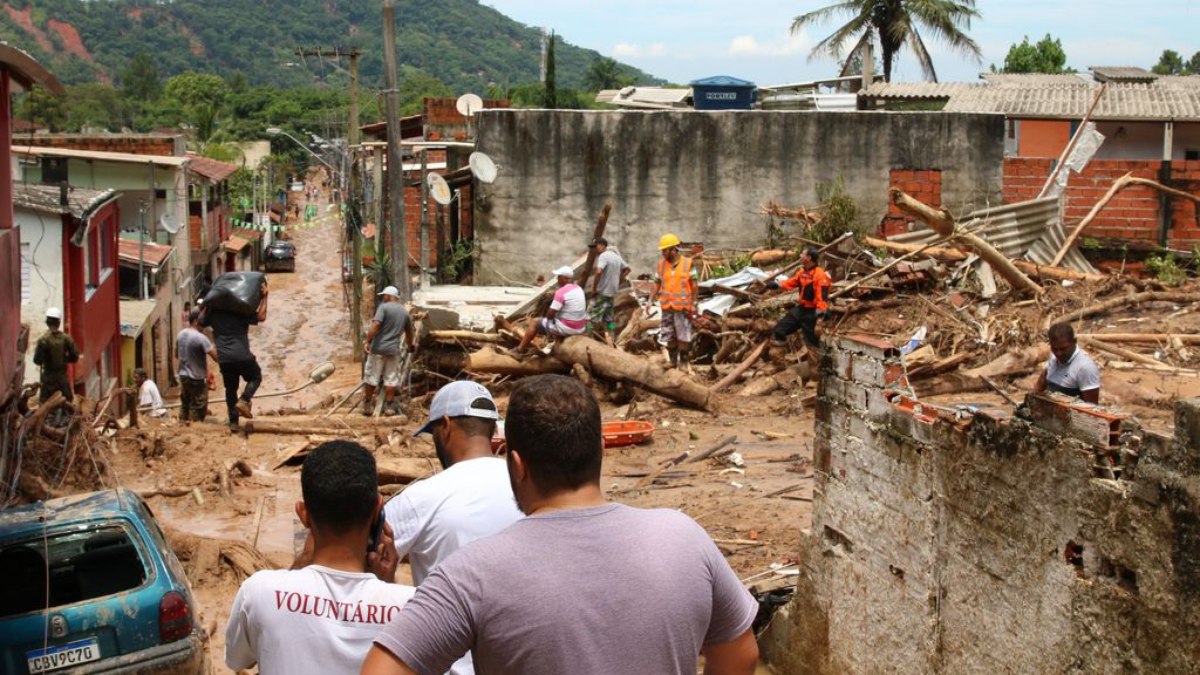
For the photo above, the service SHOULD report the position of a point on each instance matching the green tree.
(418, 86)
(605, 73)
(197, 99)
(139, 79)
(1170, 63)
(1193, 64)
(549, 87)
(1047, 56)
(892, 24)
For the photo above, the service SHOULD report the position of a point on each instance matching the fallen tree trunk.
(1123, 301)
(944, 224)
(943, 253)
(488, 360)
(1142, 337)
(613, 364)
(404, 469)
(1121, 351)
(468, 336)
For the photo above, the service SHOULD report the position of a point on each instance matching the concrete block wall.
(952, 540)
(1131, 216)
(703, 175)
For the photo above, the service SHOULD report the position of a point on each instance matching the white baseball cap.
(564, 271)
(390, 290)
(463, 398)
(54, 313)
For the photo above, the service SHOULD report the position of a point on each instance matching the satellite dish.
(468, 105)
(438, 189)
(483, 167)
(166, 224)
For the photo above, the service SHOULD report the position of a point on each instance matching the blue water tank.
(723, 93)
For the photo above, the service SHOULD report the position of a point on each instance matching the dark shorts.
(52, 382)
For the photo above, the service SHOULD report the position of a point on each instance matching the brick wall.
(923, 184)
(444, 123)
(135, 144)
(1061, 538)
(1130, 217)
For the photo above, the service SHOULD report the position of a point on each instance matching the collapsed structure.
(1059, 538)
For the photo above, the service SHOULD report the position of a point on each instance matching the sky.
(684, 41)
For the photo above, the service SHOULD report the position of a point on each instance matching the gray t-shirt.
(1078, 374)
(596, 591)
(609, 265)
(232, 332)
(192, 346)
(392, 318)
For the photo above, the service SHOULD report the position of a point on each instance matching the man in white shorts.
(567, 315)
(384, 353)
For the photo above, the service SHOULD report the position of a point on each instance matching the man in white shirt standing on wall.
(323, 617)
(469, 500)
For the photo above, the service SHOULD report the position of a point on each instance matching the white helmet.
(54, 313)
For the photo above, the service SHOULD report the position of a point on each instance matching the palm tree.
(893, 23)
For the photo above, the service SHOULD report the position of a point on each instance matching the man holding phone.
(470, 499)
(324, 615)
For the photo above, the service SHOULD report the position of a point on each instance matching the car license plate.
(63, 656)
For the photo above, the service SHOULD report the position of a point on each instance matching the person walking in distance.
(237, 362)
(812, 303)
(579, 585)
(384, 352)
(193, 349)
(675, 291)
(470, 499)
(54, 351)
(610, 272)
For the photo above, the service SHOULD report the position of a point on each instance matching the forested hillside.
(466, 45)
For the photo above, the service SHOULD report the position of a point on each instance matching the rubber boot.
(674, 354)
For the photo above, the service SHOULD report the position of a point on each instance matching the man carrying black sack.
(232, 335)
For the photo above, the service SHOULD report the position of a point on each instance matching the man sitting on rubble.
(1070, 370)
(323, 617)
(580, 585)
(812, 304)
(149, 397)
(567, 315)
(469, 500)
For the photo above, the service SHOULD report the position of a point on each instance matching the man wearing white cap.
(568, 313)
(53, 352)
(384, 355)
(471, 499)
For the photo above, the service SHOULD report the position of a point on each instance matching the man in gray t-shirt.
(384, 354)
(580, 585)
(608, 274)
(193, 347)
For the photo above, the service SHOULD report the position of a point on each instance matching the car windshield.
(67, 567)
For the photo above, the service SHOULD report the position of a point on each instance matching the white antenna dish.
(438, 189)
(166, 224)
(468, 104)
(483, 167)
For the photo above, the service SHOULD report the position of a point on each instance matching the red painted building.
(18, 69)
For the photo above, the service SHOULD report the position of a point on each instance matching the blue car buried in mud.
(88, 584)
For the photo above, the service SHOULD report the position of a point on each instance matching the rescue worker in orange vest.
(675, 290)
(813, 284)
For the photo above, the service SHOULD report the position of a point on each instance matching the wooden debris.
(613, 364)
(404, 469)
(1119, 302)
(742, 367)
(1128, 354)
(488, 360)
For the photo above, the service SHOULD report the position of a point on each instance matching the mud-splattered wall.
(702, 175)
(1064, 539)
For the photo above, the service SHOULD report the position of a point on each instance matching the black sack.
(236, 292)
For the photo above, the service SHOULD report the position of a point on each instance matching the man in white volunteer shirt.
(323, 617)
(149, 398)
(470, 499)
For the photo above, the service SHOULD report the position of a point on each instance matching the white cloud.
(748, 45)
(626, 50)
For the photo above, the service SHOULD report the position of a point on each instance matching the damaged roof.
(133, 252)
(210, 169)
(80, 203)
(1163, 98)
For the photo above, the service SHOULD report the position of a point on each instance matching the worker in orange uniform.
(813, 284)
(675, 290)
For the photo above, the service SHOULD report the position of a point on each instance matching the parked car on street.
(90, 585)
(280, 257)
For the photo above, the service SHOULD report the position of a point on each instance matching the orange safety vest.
(814, 287)
(674, 291)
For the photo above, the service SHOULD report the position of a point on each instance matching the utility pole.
(352, 139)
(395, 157)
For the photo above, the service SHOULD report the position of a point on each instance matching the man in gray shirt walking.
(609, 273)
(580, 585)
(193, 347)
(383, 351)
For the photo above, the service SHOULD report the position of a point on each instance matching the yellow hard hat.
(667, 241)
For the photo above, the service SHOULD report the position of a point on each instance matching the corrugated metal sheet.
(1027, 79)
(908, 90)
(1122, 74)
(1029, 230)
